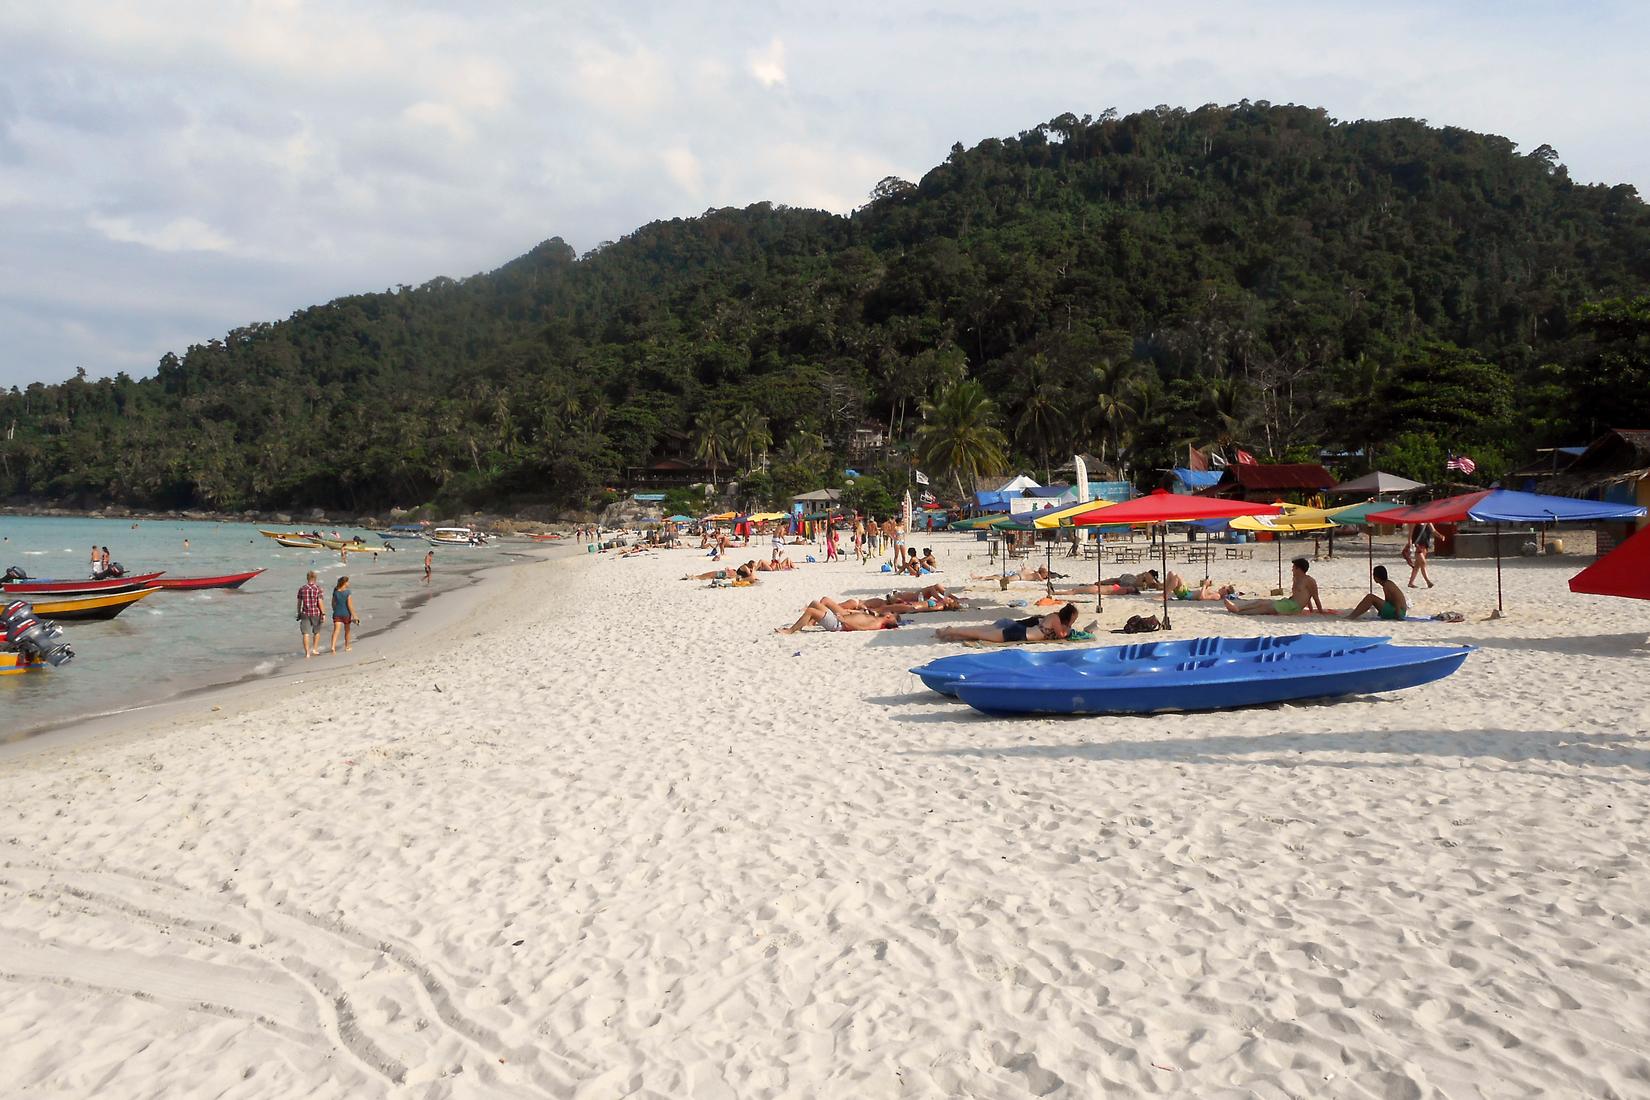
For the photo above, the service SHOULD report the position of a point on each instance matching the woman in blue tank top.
(343, 612)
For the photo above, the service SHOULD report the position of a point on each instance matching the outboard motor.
(21, 632)
(13, 574)
(115, 570)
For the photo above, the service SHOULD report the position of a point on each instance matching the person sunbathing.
(1026, 573)
(1303, 597)
(917, 595)
(1390, 603)
(1036, 628)
(821, 613)
(1206, 591)
(775, 565)
(746, 572)
(903, 606)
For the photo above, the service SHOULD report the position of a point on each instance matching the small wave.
(264, 668)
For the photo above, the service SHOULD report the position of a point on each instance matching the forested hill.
(1254, 274)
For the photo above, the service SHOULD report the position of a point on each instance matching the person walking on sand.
(1421, 538)
(343, 612)
(310, 615)
(429, 564)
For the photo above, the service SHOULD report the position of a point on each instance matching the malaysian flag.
(1461, 463)
(1244, 458)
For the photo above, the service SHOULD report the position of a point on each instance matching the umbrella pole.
(1099, 572)
(1048, 565)
(1278, 538)
(1499, 606)
(1163, 579)
(1369, 530)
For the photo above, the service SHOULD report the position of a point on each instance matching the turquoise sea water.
(173, 642)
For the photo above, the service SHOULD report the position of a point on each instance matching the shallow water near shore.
(177, 641)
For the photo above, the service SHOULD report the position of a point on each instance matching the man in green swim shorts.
(1389, 603)
(1303, 596)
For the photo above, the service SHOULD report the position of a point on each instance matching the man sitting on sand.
(1303, 596)
(1389, 603)
(841, 618)
(1045, 628)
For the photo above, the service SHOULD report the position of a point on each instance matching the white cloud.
(683, 167)
(177, 235)
(767, 65)
(185, 166)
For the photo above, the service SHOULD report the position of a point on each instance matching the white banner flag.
(922, 478)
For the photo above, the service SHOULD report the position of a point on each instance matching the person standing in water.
(310, 615)
(429, 564)
(343, 612)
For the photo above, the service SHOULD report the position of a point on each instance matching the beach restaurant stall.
(1498, 506)
(1162, 508)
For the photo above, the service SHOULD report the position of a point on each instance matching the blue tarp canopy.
(1196, 479)
(994, 500)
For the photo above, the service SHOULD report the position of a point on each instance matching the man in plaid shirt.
(310, 615)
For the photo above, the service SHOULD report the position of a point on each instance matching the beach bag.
(1142, 624)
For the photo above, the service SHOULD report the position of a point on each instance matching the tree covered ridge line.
(1124, 285)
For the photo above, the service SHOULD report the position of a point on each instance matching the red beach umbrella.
(1624, 571)
(1163, 507)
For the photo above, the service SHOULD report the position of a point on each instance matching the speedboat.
(945, 674)
(89, 607)
(455, 536)
(36, 586)
(228, 580)
(1151, 686)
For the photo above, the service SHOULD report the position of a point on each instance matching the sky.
(172, 170)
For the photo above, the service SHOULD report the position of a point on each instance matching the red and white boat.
(228, 580)
(104, 586)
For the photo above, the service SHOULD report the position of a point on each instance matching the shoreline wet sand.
(385, 637)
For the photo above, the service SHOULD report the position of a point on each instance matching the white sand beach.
(607, 835)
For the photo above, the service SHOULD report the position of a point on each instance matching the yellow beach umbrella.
(1290, 523)
(766, 517)
(1062, 516)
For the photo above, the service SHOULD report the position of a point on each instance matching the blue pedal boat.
(942, 675)
(1358, 667)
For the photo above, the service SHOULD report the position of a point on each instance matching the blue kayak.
(943, 674)
(1359, 667)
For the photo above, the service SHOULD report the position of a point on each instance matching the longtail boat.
(81, 608)
(101, 586)
(228, 580)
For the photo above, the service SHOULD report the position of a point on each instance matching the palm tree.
(959, 434)
(710, 441)
(1042, 416)
(748, 434)
(1115, 407)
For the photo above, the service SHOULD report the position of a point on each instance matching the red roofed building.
(1253, 481)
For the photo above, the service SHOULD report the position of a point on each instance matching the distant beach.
(183, 642)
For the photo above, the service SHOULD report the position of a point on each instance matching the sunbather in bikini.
(1045, 628)
(746, 572)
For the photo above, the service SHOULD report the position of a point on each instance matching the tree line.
(1256, 275)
